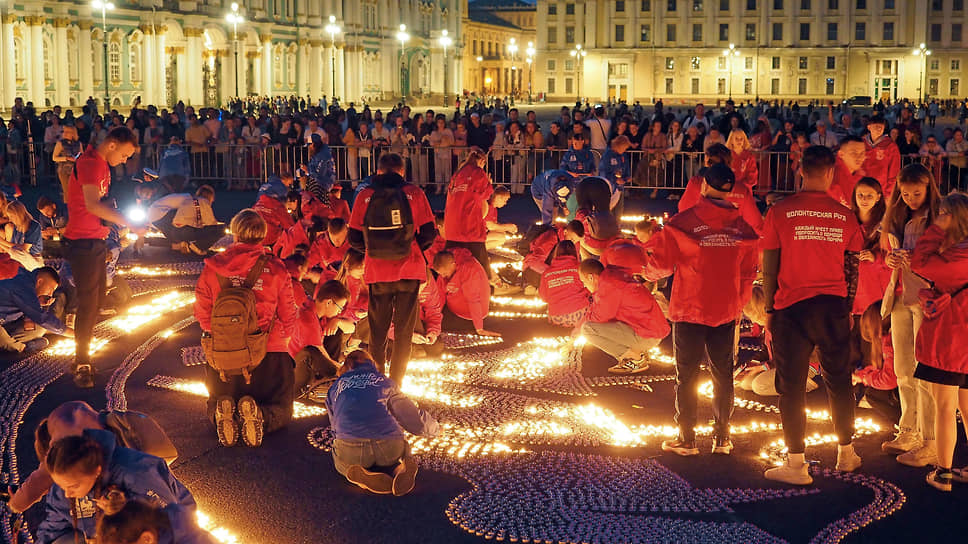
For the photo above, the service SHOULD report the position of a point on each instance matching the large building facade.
(786, 49)
(52, 51)
(491, 67)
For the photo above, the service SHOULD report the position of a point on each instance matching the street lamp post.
(105, 7)
(235, 18)
(729, 54)
(513, 50)
(579, 55)
(333, 30)
(445, 41)
(403, 37)
(480, 70)
(530, 52)
(923, 52)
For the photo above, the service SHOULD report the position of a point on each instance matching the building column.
(227, 84)
(193, 60)
(256, 57)
(181, 74)
(266, 85)
(85, 71)
(62, 82)
(149, 60)
(315, 69)
(36, 90)
(9, 80)
(302, 81)
(341, 73)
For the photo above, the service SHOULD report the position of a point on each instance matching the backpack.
(388, 229)
(236, 344)
(139, 432)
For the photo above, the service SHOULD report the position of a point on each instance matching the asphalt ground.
(288, 491)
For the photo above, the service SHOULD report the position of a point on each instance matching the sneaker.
(722, 446)
(196, 250)
(630, 366)
(374, 482)
(530, 290)
(84, 376)
(404, 476)
(790, 475)
(848, 461)
(680, 447)
(35, 345)
(226, 427)
(252, 424)
(940, 480)
(926, 455)
(960, 475)
(904, 441)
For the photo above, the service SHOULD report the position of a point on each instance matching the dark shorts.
(941, 377)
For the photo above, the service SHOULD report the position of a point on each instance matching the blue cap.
(274, 188)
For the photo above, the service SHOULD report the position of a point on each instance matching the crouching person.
(254, 318)
(623, 320)
(23, 323)
(139, 522)
(317, 341)
(92, 471)
(369, 414)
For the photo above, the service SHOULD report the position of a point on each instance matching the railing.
(243, 167)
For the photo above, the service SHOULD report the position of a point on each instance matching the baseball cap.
(719, 177)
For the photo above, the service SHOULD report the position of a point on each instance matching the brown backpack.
(236, 344)
(140, 432)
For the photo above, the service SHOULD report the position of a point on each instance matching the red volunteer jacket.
(883, 162)
(746, 171)
(941, 341)
(467, 197)
(431, 300)
(311, 206)
(308, 331)
(323, 253)
(625, 254)
(712, 252)
(273, 291)
(289, 239)
(276, 216)
(359, 301)
(741, 196)
(883, 378)
(620, 298)
(561, 287)
(540, 248)
(872, 280)
(435, 248)
(468, 293)
(842, 188)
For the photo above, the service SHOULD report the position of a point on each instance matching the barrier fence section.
(245, 167)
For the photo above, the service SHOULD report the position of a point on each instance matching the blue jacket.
(138, 475)
(18, 298)
(366, 405)
(175, 162)
(544, 190)
(322, 170)
(578, 161)
(611, 165)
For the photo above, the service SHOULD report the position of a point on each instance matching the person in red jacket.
(711, 250)
(353, 318)
(439, 241)
(497, 232)
(810, 244)
(316, 353)
(562, 289)
(265, 404)
(883, 159)
(271, 205)
(740, 196)
(296, 267)
(466, 289)
(941, 257)
(426, 335)
(876, 379)
(873, 275)
(536, 261)
(467, 197)
(331, 246)
(338, 207)
(848, 168)
(623, 320)
(393, 283)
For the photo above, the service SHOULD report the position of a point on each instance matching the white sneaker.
(790, 475)
(530, 290)
(848, 461)
(926, 455)
(630, 366)
(904, 441)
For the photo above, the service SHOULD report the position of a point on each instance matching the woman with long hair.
(876, 375)
(23, 238)
(912, 209)
(869, 208)
(744, 162)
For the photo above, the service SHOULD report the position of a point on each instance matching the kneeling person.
(314, 347)
(466, 290)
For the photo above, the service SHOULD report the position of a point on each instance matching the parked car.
(858, 101)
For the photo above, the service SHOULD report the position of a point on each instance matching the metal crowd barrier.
(243, 167)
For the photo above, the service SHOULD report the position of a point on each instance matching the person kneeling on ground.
(369, 414)
(24, 322)
(466, 291)
(497, 233)
(315, 345)
(90, 471)
(562, 289)
(187, 221)
(624, 320)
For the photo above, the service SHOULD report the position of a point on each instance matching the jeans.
(13, 336)
(393, 302)
(477, 249)
(616, 338)
(369, 453)
(87, 259)
(917, 402)
(272, 386)
(692, 341)
(823, 322)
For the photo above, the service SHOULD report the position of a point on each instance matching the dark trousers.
(393, 302)
(452, 322)
(204, 237)
(477, 249)
(272, 386)
(87, 259)
(691, 342)
(822, 322)
(312, 366)
(531, 277)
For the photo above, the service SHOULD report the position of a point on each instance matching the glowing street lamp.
(728, 54)
(530, 52)
(236, 19)
(105, 7)
(445, 42)
(480, 59)
(333, 30)
(579, 55)
(923, 52)
(403, 37)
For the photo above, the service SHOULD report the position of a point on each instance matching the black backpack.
(388, 228)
